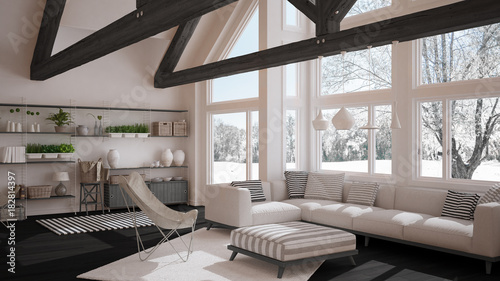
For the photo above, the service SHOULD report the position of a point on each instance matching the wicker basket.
(180, 129)
(93, 174)
(114, 178)
(39, 191)
(161, 129)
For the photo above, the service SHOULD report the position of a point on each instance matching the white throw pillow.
(324, 186)
(363, 193)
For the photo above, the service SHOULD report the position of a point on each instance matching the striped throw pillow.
(255, 187)
(363, 193)
(492, 195)
(460, 205)
(296, 182)
(325, 186)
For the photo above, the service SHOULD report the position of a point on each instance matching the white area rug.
(209, 261)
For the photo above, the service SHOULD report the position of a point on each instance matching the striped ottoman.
(292, 242)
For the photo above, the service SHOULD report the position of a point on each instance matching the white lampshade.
(320, 123)
(395, 124)
(370, 125)
(60, 176)
(343, 120)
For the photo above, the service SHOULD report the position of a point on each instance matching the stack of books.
(13, 154)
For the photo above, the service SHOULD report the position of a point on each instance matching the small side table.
(89, 193)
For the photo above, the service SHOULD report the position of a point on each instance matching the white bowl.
(167, 179)
(157, 180)
(177, 178)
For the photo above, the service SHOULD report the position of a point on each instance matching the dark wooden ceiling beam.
(177, 46)
(330, 14)
(458, 16)
(307, 8)
(150, 19)
(48, 30)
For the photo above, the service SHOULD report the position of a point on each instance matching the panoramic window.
(291, 139)
(346, 150)
(462, 55)
(291, 14)
(383, 140)
(363, 6)
(356, 73)
(291, 79)
(245, 85)
(229, 151)
(474, 140)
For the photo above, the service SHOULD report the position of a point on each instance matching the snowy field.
(228, 171)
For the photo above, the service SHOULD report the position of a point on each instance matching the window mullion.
(249, 145)
(446, 140)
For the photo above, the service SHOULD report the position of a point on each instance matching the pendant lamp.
(320, 123)
(370, 125)
(395, 124)
(343, 120)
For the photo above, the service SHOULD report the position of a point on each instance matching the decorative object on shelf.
(38, 128)
(13, 126)
(179, 156)
(128, 131)
(320, 123)
(8, 126)
(19, 127)
(39, 191)
(61, 119)
(113, 158)
(82, 130)
(177, 178)
(90, 171)
(100, 125)
(96, 129)
(60, 189)
(163, 129)
(32, 128)
(167, 157)
(167, 179)
(343, 120)
(180, 128)
(13, 154)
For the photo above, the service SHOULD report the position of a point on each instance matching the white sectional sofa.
(406, 215)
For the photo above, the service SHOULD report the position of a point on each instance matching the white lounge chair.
(162, 216)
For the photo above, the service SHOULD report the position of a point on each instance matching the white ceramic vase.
(167, 157)
(113, 158)
(179, 157)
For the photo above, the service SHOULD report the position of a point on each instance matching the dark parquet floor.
(43, 255)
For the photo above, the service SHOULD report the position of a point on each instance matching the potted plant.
(50, 151)
(60, 119)
(66, 150)
(33, 151)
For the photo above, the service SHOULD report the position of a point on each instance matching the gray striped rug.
(83, 224)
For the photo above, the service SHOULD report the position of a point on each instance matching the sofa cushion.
(325, 186)
(492, 195)
(363, 193)
(443, 232)
(255, 187)
(274, 212)
(308, 205)
(419, 200)
(388, 223)
(296, 183)
(340, 214)
(460, 205)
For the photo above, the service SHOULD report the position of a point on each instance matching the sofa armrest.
(487, 230)
(228, 205)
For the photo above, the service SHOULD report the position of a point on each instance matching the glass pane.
(357, 74)
(346, 150)
(245, 85)
(229, 147)
(291, 139)
(363, 6)
(292, 15)
(475, 143)
(383, 140)
(291, 79)
(462, 55)
(255, 145)
(431, 139)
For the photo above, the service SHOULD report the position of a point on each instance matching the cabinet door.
(113, 196)
(170, 192)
